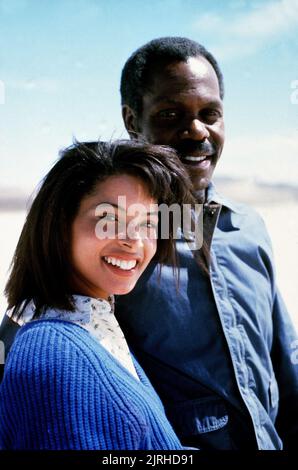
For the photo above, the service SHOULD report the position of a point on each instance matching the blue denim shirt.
(220, 350)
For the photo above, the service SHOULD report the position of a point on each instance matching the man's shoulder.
(245, 218)
(243, 209)
(239, 208)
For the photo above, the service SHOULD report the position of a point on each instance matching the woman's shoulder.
(48, 346)
(46, 331)
(54, 371)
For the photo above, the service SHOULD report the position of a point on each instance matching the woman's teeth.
(195, 159)
(122, 264)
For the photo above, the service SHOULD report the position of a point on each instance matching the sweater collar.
(97, 317)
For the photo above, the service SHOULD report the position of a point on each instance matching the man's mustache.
(187, 147)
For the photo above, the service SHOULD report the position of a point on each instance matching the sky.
(61, 61)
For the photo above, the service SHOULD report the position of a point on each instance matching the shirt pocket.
(202, 422)
(273, 397)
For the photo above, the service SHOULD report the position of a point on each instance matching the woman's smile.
(123, 240)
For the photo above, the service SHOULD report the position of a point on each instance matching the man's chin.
(200, 182)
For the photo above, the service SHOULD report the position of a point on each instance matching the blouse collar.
(86, 308)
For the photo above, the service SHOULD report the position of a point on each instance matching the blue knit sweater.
(63, 390)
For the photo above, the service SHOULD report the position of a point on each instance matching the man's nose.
(195, 130)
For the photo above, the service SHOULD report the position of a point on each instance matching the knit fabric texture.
(95, 315)
(62, 390)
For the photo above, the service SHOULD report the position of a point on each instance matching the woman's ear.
(130, 121)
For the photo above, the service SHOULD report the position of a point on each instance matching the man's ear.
(130, 121)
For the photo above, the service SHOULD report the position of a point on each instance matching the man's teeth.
(121, 263)
(196, 159)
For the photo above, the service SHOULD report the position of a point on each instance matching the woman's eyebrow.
(152, 213)
(102, 205)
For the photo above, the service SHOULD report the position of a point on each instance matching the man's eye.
(168, 114)
(211, 115)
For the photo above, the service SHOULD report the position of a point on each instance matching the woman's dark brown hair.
(41, 266)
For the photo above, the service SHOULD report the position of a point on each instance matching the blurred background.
(60, 66)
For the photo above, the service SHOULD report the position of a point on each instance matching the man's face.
(183, 109)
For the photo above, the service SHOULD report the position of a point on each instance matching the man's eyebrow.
(164, 99)
(213, 102)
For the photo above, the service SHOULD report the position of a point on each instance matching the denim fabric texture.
(219, 351)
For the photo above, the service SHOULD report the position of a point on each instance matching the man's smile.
(201, 161)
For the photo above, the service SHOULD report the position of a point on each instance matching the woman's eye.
(108, 217)
(149, 226)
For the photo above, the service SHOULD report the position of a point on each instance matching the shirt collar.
(214, 196)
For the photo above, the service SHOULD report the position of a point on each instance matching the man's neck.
(201, 196)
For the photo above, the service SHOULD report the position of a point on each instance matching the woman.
(70, 381)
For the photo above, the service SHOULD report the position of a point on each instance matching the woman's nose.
(131, 237)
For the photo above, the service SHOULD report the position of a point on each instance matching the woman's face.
(113, 237)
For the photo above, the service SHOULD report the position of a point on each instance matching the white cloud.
(45, 85)
(270, 158)
(243, 33)
(273, 18)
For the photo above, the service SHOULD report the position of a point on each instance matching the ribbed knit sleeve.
(59, 392)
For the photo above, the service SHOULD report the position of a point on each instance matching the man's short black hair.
(137, 72)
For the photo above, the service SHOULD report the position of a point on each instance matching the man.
(219, 351)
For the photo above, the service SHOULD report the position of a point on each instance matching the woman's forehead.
(120, 191)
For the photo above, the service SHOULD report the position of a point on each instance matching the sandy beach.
(11, 223)
(280, 217)
(282, 224)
